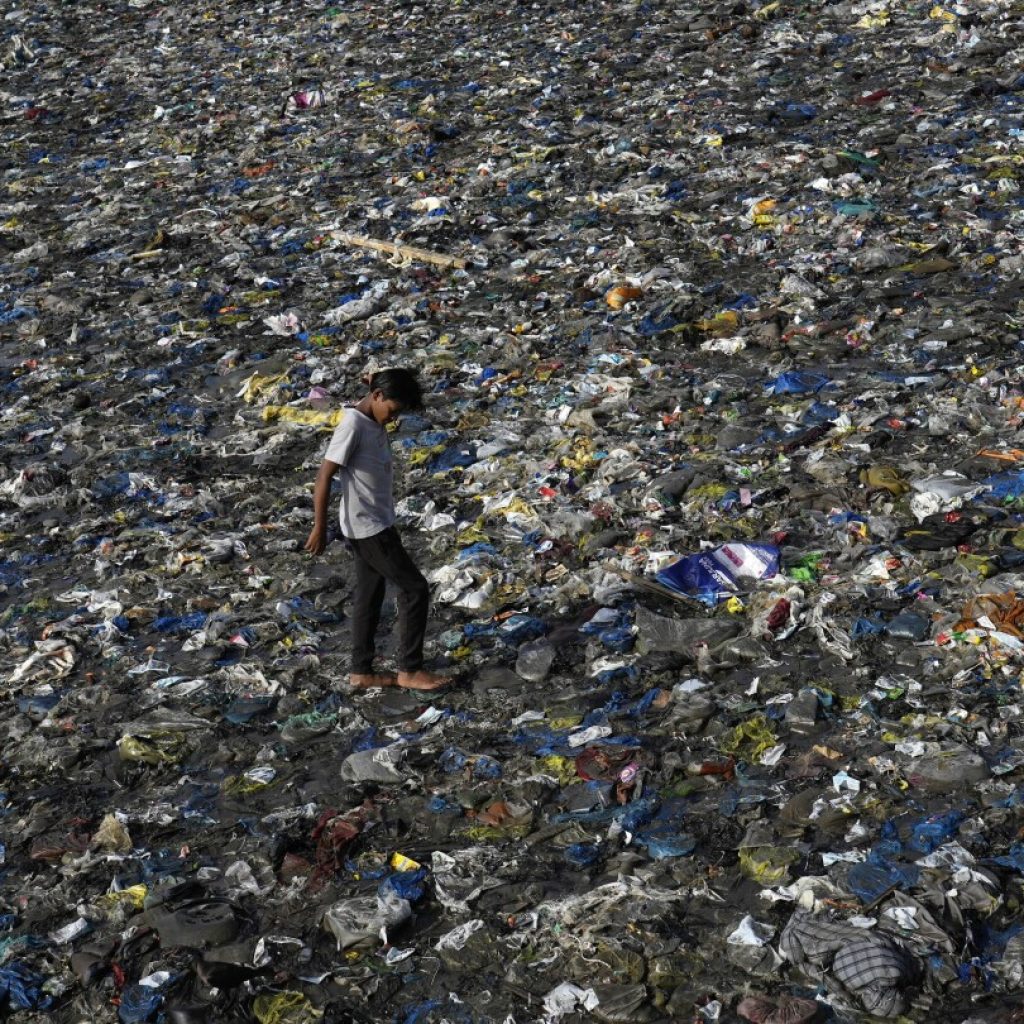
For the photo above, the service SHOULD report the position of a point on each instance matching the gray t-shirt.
(360, 446)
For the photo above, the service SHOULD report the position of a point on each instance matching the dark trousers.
(381, 559)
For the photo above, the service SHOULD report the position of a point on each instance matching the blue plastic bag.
(1008, 486)
(410, 885)
(458, 457)
(797, 382)
(930, 834)
(818, 413)
(23, 987)
(138, 1004)
(1013, 859)
(880, 871)
(714, 575)
(663, 836)
(663, 843)
(482, 767)
(243, 709)
(582, 855)
(517, 629)
(180, 623)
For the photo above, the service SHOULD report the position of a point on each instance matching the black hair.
(399, 385)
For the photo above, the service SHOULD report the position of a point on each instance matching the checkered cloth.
(878, 972)
(807, 937)
(869, 966)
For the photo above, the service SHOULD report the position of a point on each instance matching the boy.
(360, 452)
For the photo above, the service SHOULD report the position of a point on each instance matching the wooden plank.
(409, 252)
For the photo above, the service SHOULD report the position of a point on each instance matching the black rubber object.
(195, 924)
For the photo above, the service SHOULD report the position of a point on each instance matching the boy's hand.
(317, 541)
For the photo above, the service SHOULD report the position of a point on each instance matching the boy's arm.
(317, 541)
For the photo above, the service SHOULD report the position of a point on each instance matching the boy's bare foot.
(421, 680)
(368, 680)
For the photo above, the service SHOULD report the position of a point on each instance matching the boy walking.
(360, 453)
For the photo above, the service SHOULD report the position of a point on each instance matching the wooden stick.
(651, 586)
(410, 252)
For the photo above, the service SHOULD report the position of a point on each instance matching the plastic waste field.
(719, 489)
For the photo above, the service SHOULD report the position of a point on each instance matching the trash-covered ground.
(719, 487)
